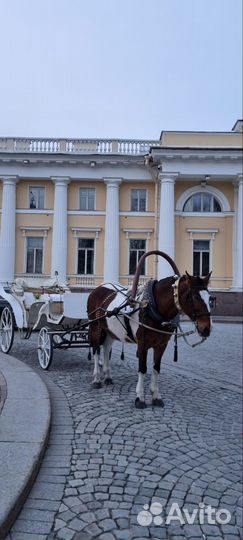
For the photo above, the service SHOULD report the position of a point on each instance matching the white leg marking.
(140, 386)
(107, 349)
(154, 386)
(96, 372)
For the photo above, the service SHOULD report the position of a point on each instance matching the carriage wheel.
(45, 348)
(6, 329)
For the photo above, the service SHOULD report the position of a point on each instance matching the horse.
(149, 320)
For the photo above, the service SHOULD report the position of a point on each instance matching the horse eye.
(212, 301)
(197, 296)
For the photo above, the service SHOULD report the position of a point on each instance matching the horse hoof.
(139, 404)
(108, 381)
(157, 403)
(97, 384)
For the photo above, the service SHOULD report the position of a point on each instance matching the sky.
(119, 68)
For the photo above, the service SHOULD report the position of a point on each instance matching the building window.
(201, 257)
(87, 198)
(36, 197)
(34, 259)
(85, 256)
(138, 200)
(136, 249)
(202, 202)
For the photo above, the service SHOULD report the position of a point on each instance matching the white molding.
(34, 211)
(43, 229)
(204, 214)
(129, 231)
(212, 232)
(85, 213)
(77, 230)
(199, 189)
(137, 214)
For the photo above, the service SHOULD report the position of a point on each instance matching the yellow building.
(88, 209)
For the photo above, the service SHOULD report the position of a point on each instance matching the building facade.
(88, 209)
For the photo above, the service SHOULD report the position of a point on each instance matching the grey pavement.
(24, 429)
(106, 460)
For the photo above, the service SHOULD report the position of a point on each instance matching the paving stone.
(32, 514)
(107, 524)
(65, 534)
(122, 535)
(24, 525)
(77, 524)
(122, 457)
(93, 530)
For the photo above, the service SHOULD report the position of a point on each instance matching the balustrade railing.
(75, 146)
(142, 280)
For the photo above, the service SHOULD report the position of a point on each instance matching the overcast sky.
(119, 68)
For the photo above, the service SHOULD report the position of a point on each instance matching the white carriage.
(59, 316)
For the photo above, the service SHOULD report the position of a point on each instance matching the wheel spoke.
(6, 329)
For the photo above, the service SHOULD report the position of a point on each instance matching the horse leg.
(154, 386)
(142, 370)
(107, 356)
(97, 372)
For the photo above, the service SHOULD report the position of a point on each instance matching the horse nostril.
(206, 332)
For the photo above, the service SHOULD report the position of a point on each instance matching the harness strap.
(128, 329)
(176, 295)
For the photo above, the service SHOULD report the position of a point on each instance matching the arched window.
(202, 202)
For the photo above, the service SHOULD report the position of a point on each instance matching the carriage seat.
(29, 299)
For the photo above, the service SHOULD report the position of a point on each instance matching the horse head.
(194, 300)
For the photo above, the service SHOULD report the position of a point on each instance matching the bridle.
(195, 315)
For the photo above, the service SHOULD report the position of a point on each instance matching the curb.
(24, 431)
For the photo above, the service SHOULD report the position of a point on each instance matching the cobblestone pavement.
(106, 459)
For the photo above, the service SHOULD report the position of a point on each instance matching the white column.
(112, 232)
(59, 234)
(166, 223)
(238, 269)
(8, 229)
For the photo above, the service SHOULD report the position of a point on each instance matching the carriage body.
(59, 317)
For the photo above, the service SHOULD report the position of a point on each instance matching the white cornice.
(200, 154)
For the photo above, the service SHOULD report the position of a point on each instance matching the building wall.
(219, 228)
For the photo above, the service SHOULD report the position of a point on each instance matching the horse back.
(99, 300)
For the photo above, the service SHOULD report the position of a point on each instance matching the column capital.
(240, 178)
(237, 181)
(60, 180)
(10, 180)
(113, 182)
(167, 177)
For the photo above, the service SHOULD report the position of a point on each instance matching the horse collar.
(152, 308)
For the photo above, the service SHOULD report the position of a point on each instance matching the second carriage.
(57, 314)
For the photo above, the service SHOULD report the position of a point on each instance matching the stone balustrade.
(76, 146)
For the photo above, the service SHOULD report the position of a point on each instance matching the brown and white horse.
(149, 321)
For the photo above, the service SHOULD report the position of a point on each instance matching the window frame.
(87, 198)
(86, 249)
(146, 200)
(44, 197)
(137, 258)
(34, 263)
(209, 251)
(201, 211)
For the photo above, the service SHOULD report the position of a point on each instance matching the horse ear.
(207, 278)
(189, 279)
